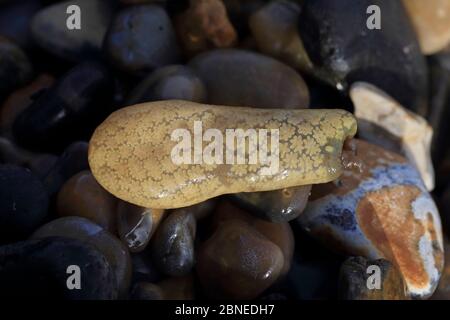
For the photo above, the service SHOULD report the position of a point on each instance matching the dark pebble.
(140, 39)
(276, 206)
(15, 68)
(73, 160)
(243, 78)
(37, 269)
(344, 50)
(173, 244)
(23, 202)
(171, 82)
(68, 111)
(49, 29)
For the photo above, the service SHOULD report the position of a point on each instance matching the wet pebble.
(140, 39)
(15, 20)
(86, 231)
(73, 160)
(279, 233)
(136, 225)
(15, 68)
(173, 244)
(345, 50)
(82, 196)
(49, 29)
(362, 279)
(379, 208)
(197, 33)
(276, 206)
(67, 111)
(171, 82)
(242, 78)
(237, 262)
(431, 20)
(23, 203)
(146, 291)
(37, 269)
(21, 99)
(274, 28)
(178, 288)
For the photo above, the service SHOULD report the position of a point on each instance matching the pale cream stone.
(374, 109)
(431, 19)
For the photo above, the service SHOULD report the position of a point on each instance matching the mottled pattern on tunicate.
(130, 152)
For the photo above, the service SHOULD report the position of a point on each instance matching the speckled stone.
(242, 78)
(431, 20)
(354, 280)
(82, 196)
(196, 31)
(37, 269)
(88, 232)
(379, 208)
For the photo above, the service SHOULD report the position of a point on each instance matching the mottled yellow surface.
(130, 152)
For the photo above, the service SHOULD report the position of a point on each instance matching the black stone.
(276, 206)
(173, 244)
(23, 203)
(37, 269)
(344, 50)
(15, 18)
(68, 111)
(73, 160)
(170, 82)
(15, 68)
(140, 39)
(49, 29)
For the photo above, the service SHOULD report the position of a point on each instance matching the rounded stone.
(49, 29)
(380, 209)
(37, 269)
(173, 244)
(21, 99)
(146, 291)
(359, 280)
(176, 82)
(237, 262)
(68, 111)
(73, 160)
(242, 78)
(344, 50)
(140, 39)
(23, 202)
(136, 225)
(15, 68)
(88, 232)
(276, 206)
(82, 196)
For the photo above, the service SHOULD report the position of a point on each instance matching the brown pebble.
(82, 196)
